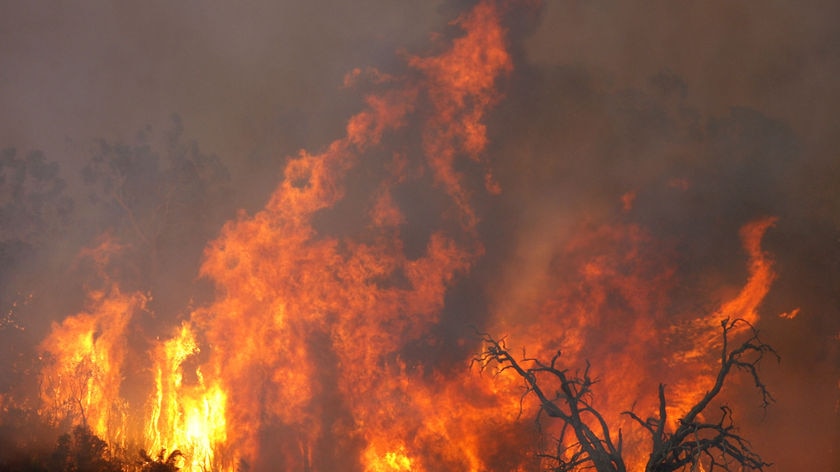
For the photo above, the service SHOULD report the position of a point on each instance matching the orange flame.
(189, 417)
(303, 317)
(611, 305)
(305, 345)
(83, 371)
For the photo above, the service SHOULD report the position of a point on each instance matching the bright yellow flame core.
(395, 460)
(83, 372)
(190, 417)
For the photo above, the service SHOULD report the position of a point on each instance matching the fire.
(84, 357)
(304, 319)
(611, 306)
(761, 276)
(187, 417)
(392, 461)
(302, 361)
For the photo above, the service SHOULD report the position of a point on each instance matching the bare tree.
(585, 440)
(571, 404)
(717, 442)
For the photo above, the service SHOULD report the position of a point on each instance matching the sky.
(705, 115)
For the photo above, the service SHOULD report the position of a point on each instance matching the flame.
(789, 315)
(745, 304)
(627, 200)
(83, 369)
(189, 417)
(303, 356)
(392, 461)
(608, 300)
(305, 319)
(461, 85)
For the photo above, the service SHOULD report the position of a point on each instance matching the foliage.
(24, 443)
(82, 451)
(35, 211)
(154, 194)
(153, 203)
(33, 203)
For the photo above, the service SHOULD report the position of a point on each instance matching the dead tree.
(715, 444)
(571, 404)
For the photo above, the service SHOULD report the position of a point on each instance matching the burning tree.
(585, 440)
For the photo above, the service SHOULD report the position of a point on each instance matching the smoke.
(689, 122)
(678, 124)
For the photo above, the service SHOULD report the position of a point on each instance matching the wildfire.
(301, 362)
(84, 364)
(391, 461)
(187, 417)
(610, 304)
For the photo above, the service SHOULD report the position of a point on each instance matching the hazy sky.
(237, 73)
(246, 76)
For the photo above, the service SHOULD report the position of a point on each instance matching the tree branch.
(570, 405)
(717, 442)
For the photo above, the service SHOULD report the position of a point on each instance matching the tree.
(161, 197)
(33, 204)
(35, 215)
(716, 444)
(83, 451)
(34, 211)
(26, 440)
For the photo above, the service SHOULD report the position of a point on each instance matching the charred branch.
(585, 441)
(593, 445)
(717, 444)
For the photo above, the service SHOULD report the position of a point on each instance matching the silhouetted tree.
(25, 439)
(714, 444)
(154, 194)
(33, 202)
(35, 212)
(83, 451)
(161, 198)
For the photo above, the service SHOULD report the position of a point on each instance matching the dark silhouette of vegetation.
(162, 463)
(24, 448)
(33, 202)
(157, 197)
(26, 439)
(35, 212)
(586, 442)
(160, 198)
(82, 451)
